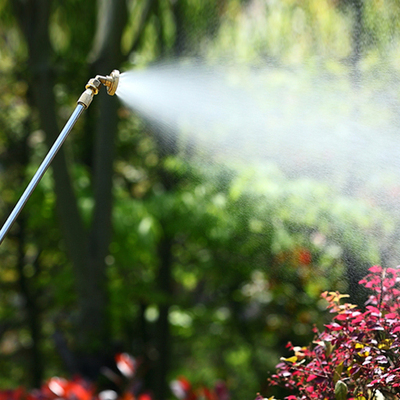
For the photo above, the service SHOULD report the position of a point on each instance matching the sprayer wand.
(92, 88)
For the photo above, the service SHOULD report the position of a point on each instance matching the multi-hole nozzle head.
(110, 81)
(92, 87)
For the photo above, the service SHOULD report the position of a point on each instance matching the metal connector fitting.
(86, 98)
(92, 87)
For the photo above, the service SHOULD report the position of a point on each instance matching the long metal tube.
(41, 170)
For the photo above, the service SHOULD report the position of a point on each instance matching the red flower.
(304, 257)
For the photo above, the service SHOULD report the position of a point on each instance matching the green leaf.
(337, 373)
(341, 390)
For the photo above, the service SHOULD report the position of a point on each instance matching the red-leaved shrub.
(357, 356)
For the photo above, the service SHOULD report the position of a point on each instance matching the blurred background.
(136, 241)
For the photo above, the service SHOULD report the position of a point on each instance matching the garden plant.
(356, 356)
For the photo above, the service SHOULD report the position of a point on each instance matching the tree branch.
(146, 13)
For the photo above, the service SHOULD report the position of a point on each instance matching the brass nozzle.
(92, 87)
(110, 81)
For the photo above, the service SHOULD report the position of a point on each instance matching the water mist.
(332, 128)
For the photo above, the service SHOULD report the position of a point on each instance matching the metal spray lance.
(92, 88)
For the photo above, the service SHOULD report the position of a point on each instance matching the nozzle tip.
(115, 81)
(110, 81)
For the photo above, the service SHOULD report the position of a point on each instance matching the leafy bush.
(357, 355)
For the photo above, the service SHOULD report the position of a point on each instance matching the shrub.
(357, 354)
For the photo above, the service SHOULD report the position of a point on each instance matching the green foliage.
(253, 266)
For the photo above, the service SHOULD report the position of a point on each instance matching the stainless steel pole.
(41, 170)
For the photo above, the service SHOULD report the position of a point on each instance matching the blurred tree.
(87, 248)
